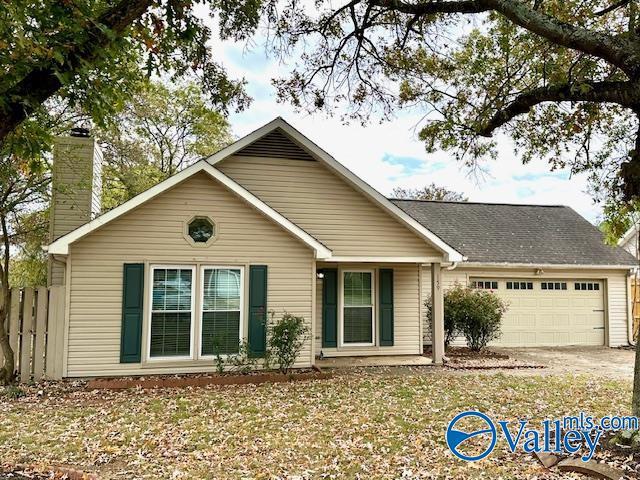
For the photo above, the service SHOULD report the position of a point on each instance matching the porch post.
(437, 320)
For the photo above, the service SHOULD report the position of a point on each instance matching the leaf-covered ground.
(366, 424)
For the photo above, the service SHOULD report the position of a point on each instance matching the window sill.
(184, 362)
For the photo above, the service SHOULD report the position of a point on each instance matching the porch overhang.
(375, 259)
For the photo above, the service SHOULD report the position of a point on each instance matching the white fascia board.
(354, 259)
(452, 255)
(627, 235)
(550, 266)
(61, 245)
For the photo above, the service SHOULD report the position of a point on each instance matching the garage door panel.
(528, 302)
(545, 302)
(511, 338)
(561, 303)
(523, 321)
(552, 317)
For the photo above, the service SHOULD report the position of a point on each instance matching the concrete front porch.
(395, 295)
(374, 361)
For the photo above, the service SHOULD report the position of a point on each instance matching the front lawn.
(371, 424)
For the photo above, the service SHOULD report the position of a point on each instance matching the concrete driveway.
(603, 361)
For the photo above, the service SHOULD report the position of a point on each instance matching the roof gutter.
(549, 266)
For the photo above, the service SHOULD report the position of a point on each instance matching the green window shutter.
(386, 307)
(257, 310)
(330, 308)
(132, 301)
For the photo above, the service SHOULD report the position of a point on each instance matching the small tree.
(160, 131)
(480, 315)
(429, 192)
(287, 336)
(24, 195)
(475, 314)
(451, 317)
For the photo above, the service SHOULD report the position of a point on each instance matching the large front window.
(196, 311)
(357, 319)
(221, 303)
(171, 312)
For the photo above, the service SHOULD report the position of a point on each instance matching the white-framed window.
(358, 313)
(553, 285)
(485, 284)
(221, 300)
(587, 286)
(172, 310)
(519, 285)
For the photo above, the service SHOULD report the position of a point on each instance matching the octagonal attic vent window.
(201, 230)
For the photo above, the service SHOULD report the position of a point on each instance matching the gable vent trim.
(275, 144)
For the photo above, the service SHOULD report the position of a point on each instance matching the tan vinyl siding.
(406, 307)
(153, 234)
(616, 302)
(317, 200)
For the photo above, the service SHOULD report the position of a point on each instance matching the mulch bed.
(466, 352)
(181, 381)
(463, 358)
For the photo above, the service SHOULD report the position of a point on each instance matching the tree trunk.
(8, 369)
(635, 403)
(7, 372)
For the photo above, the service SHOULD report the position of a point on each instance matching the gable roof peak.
(61, 245)
(450, 253)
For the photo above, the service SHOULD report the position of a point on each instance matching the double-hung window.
(221, 310)
(196, 311)
(171, 330)
(358, 315)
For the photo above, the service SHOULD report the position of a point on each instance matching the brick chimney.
(76, 189)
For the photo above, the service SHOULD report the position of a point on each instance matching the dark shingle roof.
(499, 233)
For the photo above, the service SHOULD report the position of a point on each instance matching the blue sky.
(389, 155)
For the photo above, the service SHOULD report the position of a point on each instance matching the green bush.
(240, 362)
(450, 320)
(287, 336)
(12, 392)
(474, 313)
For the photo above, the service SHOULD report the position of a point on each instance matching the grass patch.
(362, 424)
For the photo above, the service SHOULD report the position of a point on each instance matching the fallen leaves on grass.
(368, 424)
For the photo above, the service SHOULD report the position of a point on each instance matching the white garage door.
(549, 311)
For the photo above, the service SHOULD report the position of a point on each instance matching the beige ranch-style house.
(193, 265)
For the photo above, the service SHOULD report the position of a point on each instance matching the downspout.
(452, 266)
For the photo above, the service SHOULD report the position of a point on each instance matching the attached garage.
(564, 284)
(547, 312)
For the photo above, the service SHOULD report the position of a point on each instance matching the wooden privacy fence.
(36, 335)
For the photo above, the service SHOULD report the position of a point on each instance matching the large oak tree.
(561, 78)
(92, 52)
